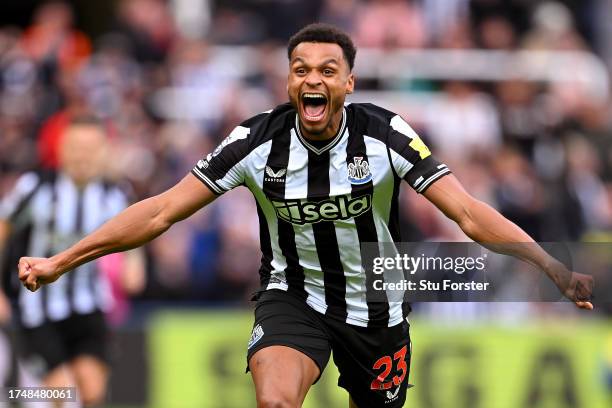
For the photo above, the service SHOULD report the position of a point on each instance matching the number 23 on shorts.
(386, 364)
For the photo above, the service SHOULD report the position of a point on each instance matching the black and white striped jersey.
(316, 204)
(55, 214)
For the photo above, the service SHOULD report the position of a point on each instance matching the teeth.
(313, 95)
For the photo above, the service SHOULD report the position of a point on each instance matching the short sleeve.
(222, 170)
(411, 158)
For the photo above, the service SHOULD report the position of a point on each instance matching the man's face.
(82, 152)
(319, 79)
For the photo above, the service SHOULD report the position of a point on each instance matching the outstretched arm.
(488, 227)
(133, 227)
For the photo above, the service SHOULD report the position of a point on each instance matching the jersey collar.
(329, 145)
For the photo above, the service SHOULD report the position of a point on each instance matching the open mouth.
(314, 106)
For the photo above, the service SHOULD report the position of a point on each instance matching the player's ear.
(350, 84)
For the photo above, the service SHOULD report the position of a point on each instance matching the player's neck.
(330, 131)
(79, 182)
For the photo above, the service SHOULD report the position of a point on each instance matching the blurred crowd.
(539, 152)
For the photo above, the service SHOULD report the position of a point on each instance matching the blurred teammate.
(62, 326)
(325, 176)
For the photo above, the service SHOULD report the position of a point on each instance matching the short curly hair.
(324, 33)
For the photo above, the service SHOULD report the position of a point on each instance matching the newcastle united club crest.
(359, 171)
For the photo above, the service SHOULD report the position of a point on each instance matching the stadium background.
(513, 95)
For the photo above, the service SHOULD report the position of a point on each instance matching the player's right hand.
(35, 272)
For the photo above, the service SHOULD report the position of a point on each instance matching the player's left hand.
(580, 290)
(35, 272)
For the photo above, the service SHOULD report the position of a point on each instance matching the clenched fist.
(577, 287)
(35, 272)
(580, 290)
